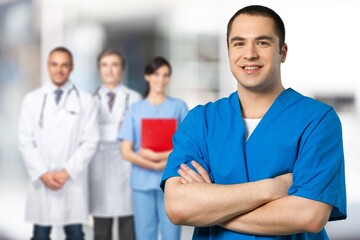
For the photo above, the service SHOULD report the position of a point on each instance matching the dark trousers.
(72, 232)
(103, 228)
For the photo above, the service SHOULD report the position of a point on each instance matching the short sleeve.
(183, 111)
(319, 170)
(127, 129)
(188, 145)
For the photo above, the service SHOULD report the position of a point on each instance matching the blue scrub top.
(145, 179)
(297, 134)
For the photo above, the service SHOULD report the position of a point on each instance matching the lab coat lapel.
(119, 105)
(104, 109)
(51, 110)
(115, 109)
(120, 102)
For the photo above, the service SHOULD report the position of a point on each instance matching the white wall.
(323, 58)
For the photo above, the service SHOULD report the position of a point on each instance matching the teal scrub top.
(146, 179)
(297, 134)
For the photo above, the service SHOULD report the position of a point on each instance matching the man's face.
(59, 67)
(110, 69)
(254, 53)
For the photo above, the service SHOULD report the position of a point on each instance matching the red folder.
(157, 133)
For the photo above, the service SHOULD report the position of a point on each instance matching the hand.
(50, 182)
(160, 165)
(148, 154)
(61, 176)
(190, 176)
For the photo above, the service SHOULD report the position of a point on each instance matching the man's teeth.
(251, 68)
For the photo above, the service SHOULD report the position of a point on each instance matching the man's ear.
(283, 52)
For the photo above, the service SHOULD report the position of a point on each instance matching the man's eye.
(238, 44)
(263, 43)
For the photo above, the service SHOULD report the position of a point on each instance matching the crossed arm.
(261, 207)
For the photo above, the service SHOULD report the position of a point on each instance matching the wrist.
(267, 190)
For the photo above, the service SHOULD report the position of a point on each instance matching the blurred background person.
(58, 136)
(110, 193)
(148, 165)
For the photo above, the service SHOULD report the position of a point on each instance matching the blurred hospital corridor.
(322, 62)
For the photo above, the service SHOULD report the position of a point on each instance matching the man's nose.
(250, 52)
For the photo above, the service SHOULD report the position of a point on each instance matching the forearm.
(131, 156)
(163, 156)
(154, 156)
(203, 204)
(284, 216)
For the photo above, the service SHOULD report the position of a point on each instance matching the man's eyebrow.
(234, 39)
(262, 37)
(265, 37)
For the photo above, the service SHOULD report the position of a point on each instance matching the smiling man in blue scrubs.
(265, 162)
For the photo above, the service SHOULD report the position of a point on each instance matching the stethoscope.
(64, 106)
(126, 103)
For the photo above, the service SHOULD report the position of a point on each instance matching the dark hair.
(257, 10)
(152, 66)
(64, 50)
(108, 52)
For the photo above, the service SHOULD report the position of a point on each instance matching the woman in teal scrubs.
(147, 165)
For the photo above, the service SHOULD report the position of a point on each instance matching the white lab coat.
(65, 141)
(110, 193)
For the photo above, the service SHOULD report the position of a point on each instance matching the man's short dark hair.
(257, 10)
(108, 52)
(64, 50)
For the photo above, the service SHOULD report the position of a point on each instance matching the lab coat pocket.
(72, 121)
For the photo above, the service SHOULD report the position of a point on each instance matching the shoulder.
(87, 99)
(138, 106)
(131, 91)
(34, 94)
(176, 102)
(307, 105)
(221, 104)
(213, 110)
(84, 95)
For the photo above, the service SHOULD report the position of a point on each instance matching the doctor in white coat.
(58, 136)
(110, 194)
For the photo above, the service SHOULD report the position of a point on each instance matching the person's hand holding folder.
(156, 139)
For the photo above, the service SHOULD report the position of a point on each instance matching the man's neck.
(58, 86)
(254, 104)
(111, 87)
